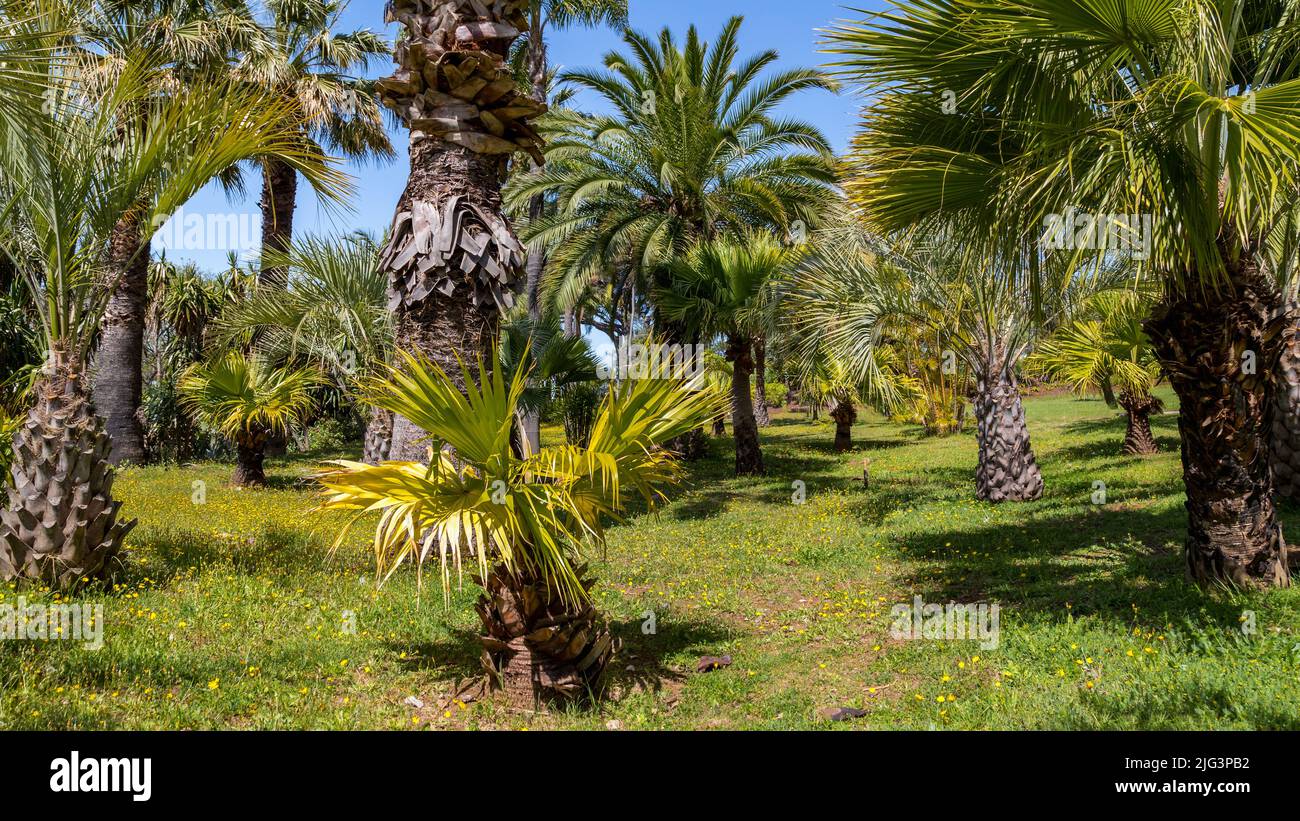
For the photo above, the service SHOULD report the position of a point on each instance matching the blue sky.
(791, 28)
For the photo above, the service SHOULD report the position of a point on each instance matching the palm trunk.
(1007, 469)
(279, 201)
(1138, 440)
(844, 415)
(250, 470)
(453, 263)
(1285, 441)
(60, 527)
(749, 457)
(119, 362)
(531, 420)
(445, 328)
(538, 648)
(761, 415)
(1221, 351)
(1108, 393)
(379, 437)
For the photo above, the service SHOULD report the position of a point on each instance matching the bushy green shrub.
(577, 404)
(775, 394)
(331, 436)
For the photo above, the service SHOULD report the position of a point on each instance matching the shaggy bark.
(844, 415)
(538, 648)
(250, 469)
(453, 262)
(1007, 469)
(379, 437)
(279, 201)
(1138, 440)
(119, 361)
(1285, 440)
(749, 456)
(1221, 350)
(61, 526)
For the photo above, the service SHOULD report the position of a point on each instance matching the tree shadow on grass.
(1102, 561)
(641, 663)
(274, 552)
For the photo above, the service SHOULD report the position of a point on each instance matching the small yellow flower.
(214, 684)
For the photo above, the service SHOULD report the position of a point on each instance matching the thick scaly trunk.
(760, 383)
(1221, 351)
(279, 201)
(442, 326)
(749, 457)
(1285, 441)
(379, 437)
(60, 526)
(1007, 469)
(538, 648)
(119, 362)
(453, 262)
(250, 447)
(844, 415)
(1138, 440)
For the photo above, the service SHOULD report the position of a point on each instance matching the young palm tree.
(693, 149)
(528, 522)
(715, 290)
(453, 263)
(72, 171)
(247, 401)
(1107, 345)
(1180, 116)
(331, 314)
(553, 359)
(301, 55)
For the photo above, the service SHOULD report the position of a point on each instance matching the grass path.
(234, 615)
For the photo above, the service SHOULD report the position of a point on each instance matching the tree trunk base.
(537, 649)
(1007, 469)
(844, 415)
(1221, 350)
(1138, 439)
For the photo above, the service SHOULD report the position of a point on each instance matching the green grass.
(231, 613)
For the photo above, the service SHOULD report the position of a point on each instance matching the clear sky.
(789, 27)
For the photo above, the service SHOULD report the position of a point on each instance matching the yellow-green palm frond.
(238, 394)
(477, 500)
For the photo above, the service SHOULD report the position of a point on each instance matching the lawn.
(234, 614)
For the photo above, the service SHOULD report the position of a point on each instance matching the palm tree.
(693, 149)
(531, 57)
(553, 359)
(854, 297)
(452, 261)
(330, 313)
(247, 401)
(301, 55)
(1107, 345)
(187, 38)
(528, 522)
(1173, 126)
(72, 171)
(556, 15)
(715, 290)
